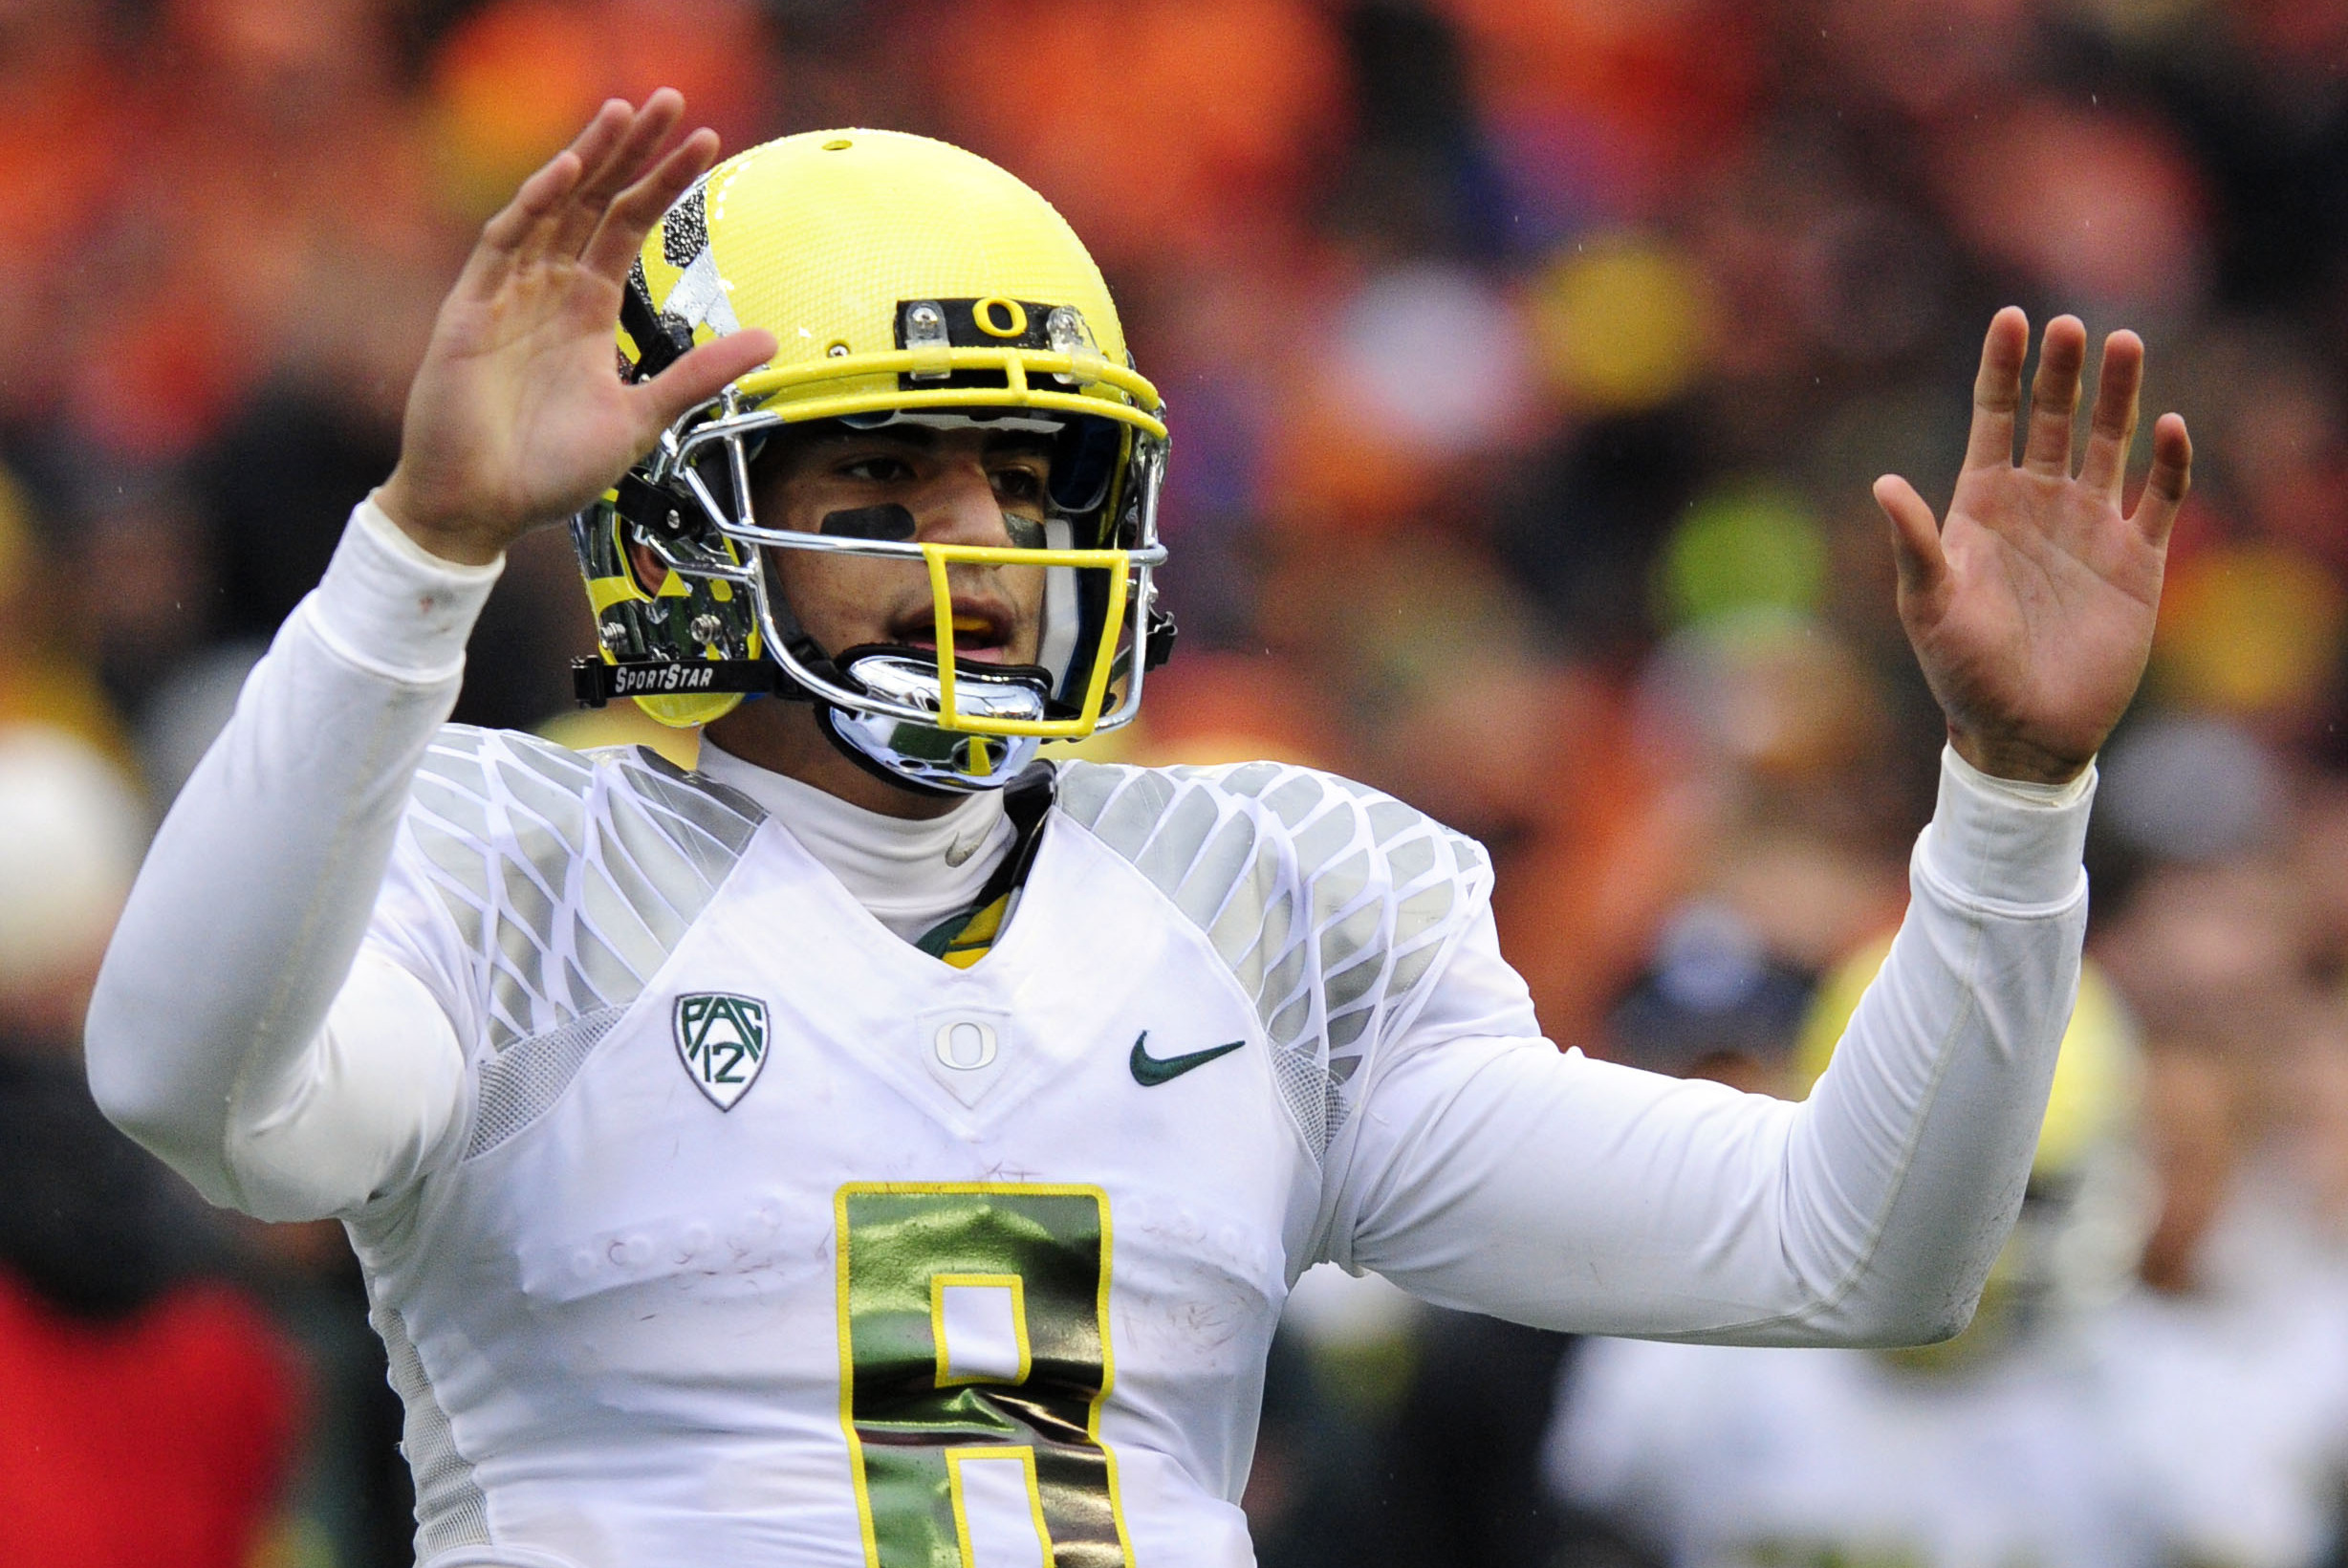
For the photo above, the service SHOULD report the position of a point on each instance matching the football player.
(1997, 1448)
(873, 1147)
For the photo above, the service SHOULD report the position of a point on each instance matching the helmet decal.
(698, 297)
(685, 232)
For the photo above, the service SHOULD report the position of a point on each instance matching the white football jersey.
(2230, 1404)
(707, 1223)
(1731, 1457)
(763, 1236)
(2153, 1431)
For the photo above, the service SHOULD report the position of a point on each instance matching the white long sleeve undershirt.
(909, 872)
(1587, 1196)
(233, 1034)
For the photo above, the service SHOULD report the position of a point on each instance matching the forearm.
(1908, 1165)
(1580, 1195)
(251, 905)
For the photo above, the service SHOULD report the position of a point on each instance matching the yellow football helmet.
(904, 280)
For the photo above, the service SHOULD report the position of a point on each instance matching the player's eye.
(1019, 485)
(876, 469)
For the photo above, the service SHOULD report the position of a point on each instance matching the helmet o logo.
(1015, 317)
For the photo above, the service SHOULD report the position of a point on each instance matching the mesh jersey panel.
(1330, 901)
(565, 880)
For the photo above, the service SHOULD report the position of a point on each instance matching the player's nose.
(960, 507)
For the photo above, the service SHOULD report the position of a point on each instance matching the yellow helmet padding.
(684, 712)
(2096, 1076)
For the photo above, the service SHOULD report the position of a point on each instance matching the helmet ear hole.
(645, 570)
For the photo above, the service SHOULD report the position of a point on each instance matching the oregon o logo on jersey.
(723, 1041)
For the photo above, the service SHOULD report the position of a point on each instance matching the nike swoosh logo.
(1150, 1070)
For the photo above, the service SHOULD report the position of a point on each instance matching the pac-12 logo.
(723, 1040)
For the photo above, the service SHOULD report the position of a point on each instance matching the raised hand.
(2032, 608)
(517, 417)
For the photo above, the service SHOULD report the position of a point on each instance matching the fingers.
(565, 205)
(2112, 427)
(2054, 396)
(1915, 537)
(1997, 389)
(696, 378)
(630, 148)
(624, 224)
(2171, 477)
(504, 234)
(522, 229)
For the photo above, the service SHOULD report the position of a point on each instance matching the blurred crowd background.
(1528, 362)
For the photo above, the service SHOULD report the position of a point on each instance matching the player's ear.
(651, 572)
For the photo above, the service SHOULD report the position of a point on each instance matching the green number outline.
(992, 1407)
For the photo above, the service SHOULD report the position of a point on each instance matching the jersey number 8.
(973, 1328)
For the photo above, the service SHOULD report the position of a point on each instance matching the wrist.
(391, 607)
(432, 533)
(2017, 760)
(2006, 843)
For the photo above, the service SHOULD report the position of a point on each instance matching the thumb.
(1915, 537)
(697, 378)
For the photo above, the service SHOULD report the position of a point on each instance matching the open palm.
(2032, 608)
(517, 417)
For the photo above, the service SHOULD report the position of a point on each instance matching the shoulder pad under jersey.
(1329, 900)
(569, 877)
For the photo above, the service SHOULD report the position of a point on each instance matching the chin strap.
(923, 755)
(657, 345)
(1157, 642)
(596, 683)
